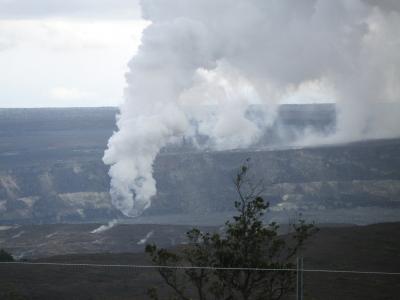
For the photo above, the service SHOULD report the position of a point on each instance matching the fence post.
(299, 285)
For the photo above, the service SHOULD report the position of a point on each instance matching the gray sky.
(66, 53)
(57, 53)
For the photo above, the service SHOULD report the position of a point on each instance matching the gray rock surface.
(51, 171)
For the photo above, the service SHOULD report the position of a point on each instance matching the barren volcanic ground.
(35, 241)
(51, 172)
(54, 203)
(365, 248)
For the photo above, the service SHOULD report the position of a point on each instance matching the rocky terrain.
(363, 248)
(51, 172)
(38, 241)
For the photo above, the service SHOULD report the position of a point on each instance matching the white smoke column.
(146, 238)
(218, 102)
(232, 54)
(150, 118)
(106, 227)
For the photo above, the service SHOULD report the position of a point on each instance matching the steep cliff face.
(51, 171)
(357, 175)
(59, 192)
(365, 174)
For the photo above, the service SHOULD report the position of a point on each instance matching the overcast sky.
(56, 53)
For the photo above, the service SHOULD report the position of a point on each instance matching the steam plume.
(231, 54)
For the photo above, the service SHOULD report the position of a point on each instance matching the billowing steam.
(203, 63)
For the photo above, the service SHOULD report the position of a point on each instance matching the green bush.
(5, 256)
(245, 243)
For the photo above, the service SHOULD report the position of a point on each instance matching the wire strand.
(198, 267)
